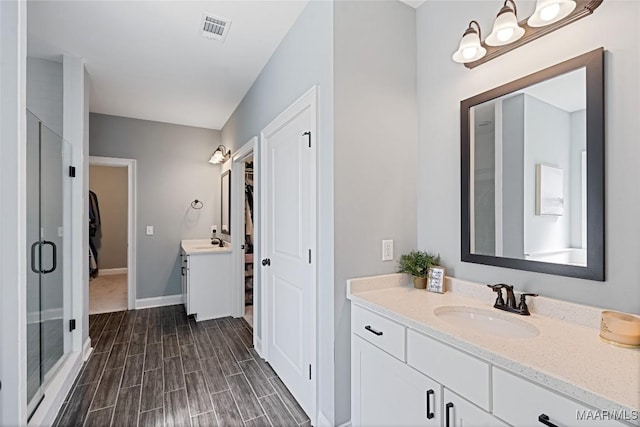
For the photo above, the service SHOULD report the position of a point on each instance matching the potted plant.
(417, 264)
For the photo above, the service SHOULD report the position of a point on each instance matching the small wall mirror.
(225, 192)
(532, 156)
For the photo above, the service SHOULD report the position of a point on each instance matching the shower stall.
(48, 286)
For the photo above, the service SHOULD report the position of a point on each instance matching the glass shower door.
(48, 338)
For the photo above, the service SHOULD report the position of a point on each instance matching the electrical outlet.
(214, 229)
(387, 250)
(149, 230)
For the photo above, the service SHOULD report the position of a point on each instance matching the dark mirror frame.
(228, 201)
(593, 62)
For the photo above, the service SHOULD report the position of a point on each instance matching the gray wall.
(548, 145)
(375, 166)
(110, 183)
(172, 171)
(303, 59)
(44, 92)
(513, 177)
(578, 145)
(442, 84)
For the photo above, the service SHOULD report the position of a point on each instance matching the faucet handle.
(522, 307)
(498, 289)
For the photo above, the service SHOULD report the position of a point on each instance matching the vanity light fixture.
(509, 34)
(470, 48)
(221, 155)
(550, 11)
(505, 28)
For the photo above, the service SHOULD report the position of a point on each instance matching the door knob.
(266, 262)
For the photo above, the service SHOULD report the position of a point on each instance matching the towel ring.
(197, 204)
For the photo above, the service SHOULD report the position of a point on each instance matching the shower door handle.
(54, 256)
(33, 257)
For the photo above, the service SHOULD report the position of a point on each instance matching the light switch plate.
(149, 230)
(387, 250)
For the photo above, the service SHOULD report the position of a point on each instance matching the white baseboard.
(86, 350)
(112, 271)
(323, 421)
(159, 301)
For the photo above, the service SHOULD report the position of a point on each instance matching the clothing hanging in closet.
(94, 224)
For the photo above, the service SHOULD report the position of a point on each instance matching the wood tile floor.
(157, 367)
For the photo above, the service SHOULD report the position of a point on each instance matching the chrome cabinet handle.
(373, 331)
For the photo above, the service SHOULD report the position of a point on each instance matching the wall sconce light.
(550, 11)
(470, 48)
(505, 28)
(221, 155)
(508, 34)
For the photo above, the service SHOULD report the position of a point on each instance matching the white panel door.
(289, 189)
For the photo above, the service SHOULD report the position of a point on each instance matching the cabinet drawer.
(520, 402)
(458, 371)
(380, 331)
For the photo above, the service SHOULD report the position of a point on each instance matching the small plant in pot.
(417, 264)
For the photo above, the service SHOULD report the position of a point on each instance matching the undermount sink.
(486, 322)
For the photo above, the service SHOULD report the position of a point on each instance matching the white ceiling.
(566, 91)
(413, 3)
(148, 60)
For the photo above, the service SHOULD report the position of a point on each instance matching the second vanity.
(451, 360)
(206, 278)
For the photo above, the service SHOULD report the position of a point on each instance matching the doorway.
(112, 234)
(288, 248)
(245, 225)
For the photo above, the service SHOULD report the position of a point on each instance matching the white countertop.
(203, 246)
(566, 356)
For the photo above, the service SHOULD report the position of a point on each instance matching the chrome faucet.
(510, 305)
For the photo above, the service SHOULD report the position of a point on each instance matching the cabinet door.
(458, 412)
(387, 392)
(185, 284)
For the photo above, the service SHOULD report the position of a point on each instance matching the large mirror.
(225, 192)
(532, 156)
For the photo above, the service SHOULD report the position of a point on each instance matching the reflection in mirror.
(528, 173)
(225, 191)
(532, 171)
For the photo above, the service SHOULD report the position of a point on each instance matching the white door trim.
(130, 164)
(237, 224)
(306, 101)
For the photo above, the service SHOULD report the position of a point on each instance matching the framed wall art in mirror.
(532, 171)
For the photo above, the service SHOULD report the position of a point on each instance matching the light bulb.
(469, 52)
(504, 34)
(550, 12)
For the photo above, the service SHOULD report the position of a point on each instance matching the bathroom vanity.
(206, 279)
(420, 358)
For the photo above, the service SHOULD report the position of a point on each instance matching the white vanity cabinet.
(402, 377)
(387, 392)
(206, 283)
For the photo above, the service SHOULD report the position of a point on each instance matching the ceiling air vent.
(214, 27)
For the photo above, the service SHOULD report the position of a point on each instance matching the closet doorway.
(243, 235)
(112, 228)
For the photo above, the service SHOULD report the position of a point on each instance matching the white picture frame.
(549, 190)
(435, 279)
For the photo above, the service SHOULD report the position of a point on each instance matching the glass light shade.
(505, 29)
(550, 11)
(219, 156)
(470, 48)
